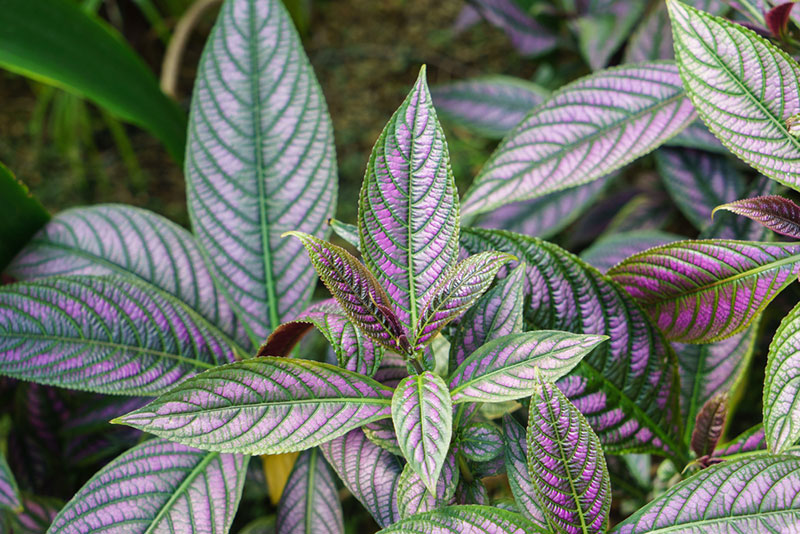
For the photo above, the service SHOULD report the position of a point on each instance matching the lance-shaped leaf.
(109, 335)
(490, 105)
(709, 424)
(528, 36)
(310, 501)
(626, 388)
(743, 87)
(775, 212)
(422, 413)
(587, 129)
(113, 239)
(704, 291)
(782, 385)
(566, 464)
(468, 519)
(369, 472)
(757, 494)
(408, 209)
(698, 182)
(413, 496)
(609, 251)
(158, 486)
(260, 161)
(456, 293)
(505, 368)
(516, 457)
(264, 406)
(495, 314)
(480, 442)
(356, 290)
(777, 18)
(730, 226)
(9, 491)
(750, 440)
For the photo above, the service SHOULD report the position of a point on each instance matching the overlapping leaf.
(730, 226)
(310, 502)
(585, 130)
(413, 496)
(748, 441)
(782, 385)
(259, 161)
(505, 368)
(516, 457)
(470, 519)
(158, 486)
(704, 291)
(264, 406)
(528, 36)
(566, 464)
(743, 87)
(697, 136)
(109, 335)
(603, 29)
(775, 212)
(609, 251)
(625, 388)
(408, 209)
(9, 491)
(481, 442)
(757, 494)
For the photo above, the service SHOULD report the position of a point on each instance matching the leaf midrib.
(722, 520)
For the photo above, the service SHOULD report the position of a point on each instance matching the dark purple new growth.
(777, 18)
(775, 212)
(709, 425)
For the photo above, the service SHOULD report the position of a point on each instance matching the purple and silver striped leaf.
(566, 464)
(356, 290)
(158, 486)
(260, 161)
(505, 368)
(750, 440)
(464, 519)
(603, 29)
(413, 496)
(113, 239)
(422, 413)
(264, 406)
(381, 433)
(310, 501)
(408, 208)
(490, 105)
(369, 472)
(497, 313)
(119, 336)
(697, 136)
(782, 385)
(705, 291)
(473, 492)
(743, 87)
(625, 388)
(516, 457)
(730, 226)
(756, 494)
(698, 182)
(710, 424)
(528, 36)
(480, 442)
(36, 517)
(458, 290)
(609, 251)
(775, 212)
(586, 130)
(9, 491)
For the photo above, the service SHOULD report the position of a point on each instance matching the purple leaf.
(473, 492)
(586, 130)
(730, 226)
(458, 290)
(369, 472)
(310, 502)
(757, 494)
(158, 486)
(602, 31)
(777, 18)
(625, 387)
(748, 441)
(412, 495)
(609, 251)
(775, 212)
(37, 515)
(505, 368)
(9, 492)
(356, 290)
(408, 209)
(743, 87)
(709, 424)
(566, 464)
(516, 457)
(782, 385)
(470, 519)
(495, 314)
(422, 413)
(119, 336)
(490, 105)
(528, 36)
(264, 406)
(381, 433)
(704, 291)
(260, 161)
(480, 442)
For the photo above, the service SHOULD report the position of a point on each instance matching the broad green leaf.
(310, 502)
(704, 291)
(158, 486)
(782, 385)
(260, 161)
(57, 42)
(470, 519)
(21, 216)
(110, 335)
(743, 87)
(264, 406)
(422, 413)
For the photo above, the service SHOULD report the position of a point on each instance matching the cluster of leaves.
(442, 330)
